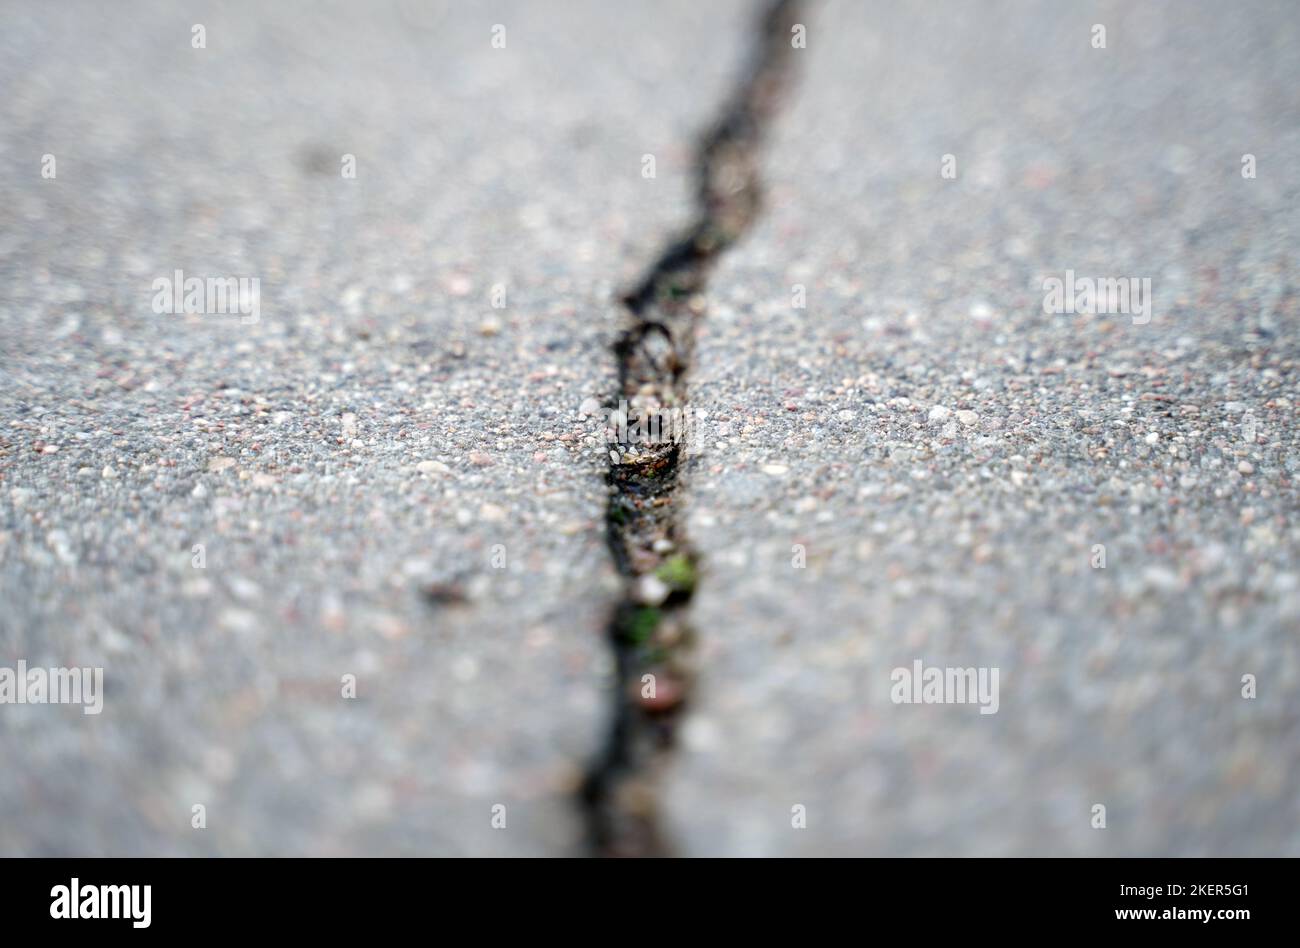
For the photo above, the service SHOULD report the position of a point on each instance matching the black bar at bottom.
(338, 897)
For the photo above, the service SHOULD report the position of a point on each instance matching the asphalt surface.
(946, 454)
(378, 432)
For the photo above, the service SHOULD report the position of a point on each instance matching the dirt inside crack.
(649, 630)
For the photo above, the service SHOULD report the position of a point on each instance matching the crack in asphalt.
(649, 629)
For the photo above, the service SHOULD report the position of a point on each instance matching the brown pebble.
(668, 694)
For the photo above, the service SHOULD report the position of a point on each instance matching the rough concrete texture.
(949, 455)
(377, 432)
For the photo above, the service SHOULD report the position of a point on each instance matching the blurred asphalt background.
(947, 454)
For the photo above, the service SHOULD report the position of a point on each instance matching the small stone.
(217, 465)
(701, 735)
(492, 513)
(479, 459)
(239, 621)
(390, 626)
(967, 417)
(465, 669)
(1245, 467)
(445, 593)
(589, 407)
(489, 327)
(775, 470)
(113, 640)
(108, 473)
(667, 694)
(939, 414)
(651, 590)
(432, 467)
(245, 590)
(1152, 438)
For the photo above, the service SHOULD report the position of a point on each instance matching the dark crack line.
(649, 629)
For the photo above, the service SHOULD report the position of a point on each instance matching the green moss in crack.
(678, 572)
(640, 625)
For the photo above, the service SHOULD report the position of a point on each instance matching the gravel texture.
(948, 454)
(351, 461)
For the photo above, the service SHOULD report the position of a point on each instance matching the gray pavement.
(946, 454)
(379, 431)
(949, 455)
